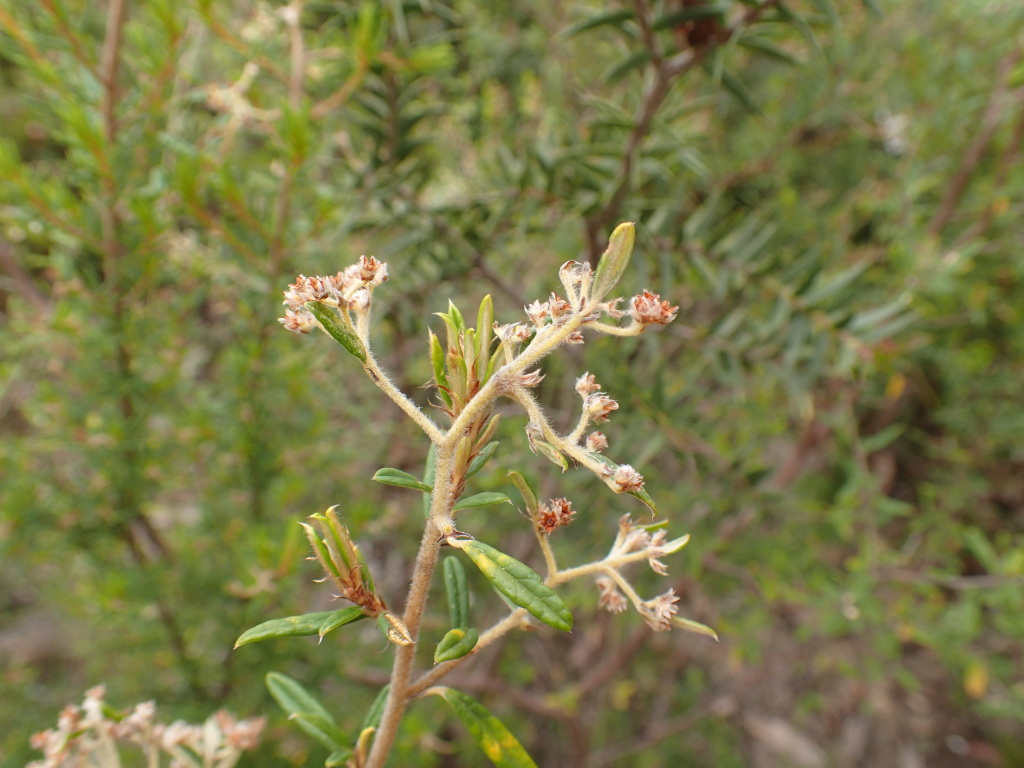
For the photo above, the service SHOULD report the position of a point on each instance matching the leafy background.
(830, 191)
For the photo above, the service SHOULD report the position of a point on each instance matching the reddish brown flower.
(648, 308)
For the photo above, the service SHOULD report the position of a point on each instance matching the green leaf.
(645, 497)
(519, 583)
(455, 644)
(392, 476)
(337, 329)
(305, 709)
(769, 50)
(635, 60)
(873, 6)
(613, 262)
(552, 454)
(526, 491)
(497, 742)
(300, 626)
(437, 362)
(485, 335)
(606, 18)
(829, 10)
(457, 589)
(340, 619)
(694, 626)
(690, 13)
(485, 499)
(735, 86)
(376, 711)
(481, 458)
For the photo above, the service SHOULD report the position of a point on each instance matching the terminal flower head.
(648, 308)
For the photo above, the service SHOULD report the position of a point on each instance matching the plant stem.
(441, 502)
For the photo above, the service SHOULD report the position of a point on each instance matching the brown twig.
(665, 72)
(998, 101)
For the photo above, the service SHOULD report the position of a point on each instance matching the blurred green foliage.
(831, 191)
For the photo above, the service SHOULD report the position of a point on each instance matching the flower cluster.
(635, 543)
(350, 290)
(89, 734)
(554, 514)
(648, 308)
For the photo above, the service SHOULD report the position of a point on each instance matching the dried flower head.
(596, 442)
(625, 479)
(587, 384)
(658, 612)
(297, 321)
(611, 599)
(558, 307)
(531, 378)
(513, 332)
(648, 308)
(598, 405)
(553, 514)
(538, 313)
(372, 272)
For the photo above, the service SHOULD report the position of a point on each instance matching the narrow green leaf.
(520, 584)
(769, 50)
(526, 490)
(874, 7)
(437, 362)
(690, 13)
(455, 644)
(613, 262)
(694, 626)
(341, 618)
(551, 453)
(457, 589)
(306, 710)
(645, 497)
(741, 93)
(497, 742)
(481, 458)
(494, 363)
(392, 476)
(883, 438)
(485, 335)
(827, 8)
(484, 499)
(337, 757)
(337, 329)
(456, 316)
(606, 18)
(376, 711)
(452, 332)
(616, 72)
(300, 626)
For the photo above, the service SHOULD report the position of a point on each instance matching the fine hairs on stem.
(474, 367)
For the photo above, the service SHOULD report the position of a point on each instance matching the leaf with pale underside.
(613, 262)
(337, 329)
